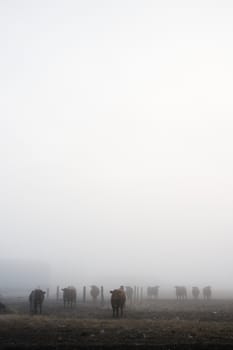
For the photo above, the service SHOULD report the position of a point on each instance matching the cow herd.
(181, 292)
(118, 297)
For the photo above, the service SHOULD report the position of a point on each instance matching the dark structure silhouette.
(129, 294)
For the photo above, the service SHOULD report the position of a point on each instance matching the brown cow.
(117, 301)
(69, 296)
(36, 299)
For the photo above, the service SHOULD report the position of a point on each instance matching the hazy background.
(116, 140)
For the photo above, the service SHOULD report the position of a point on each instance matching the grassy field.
(160, 324)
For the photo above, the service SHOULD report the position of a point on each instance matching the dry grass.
(88, 327)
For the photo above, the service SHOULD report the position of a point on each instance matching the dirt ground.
(159, 324)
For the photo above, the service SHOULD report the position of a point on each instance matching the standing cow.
(36, 299)
(2, 307)
(118, 299)
(69, 296)
(153, 292)
(207, 292)
(181, 292)
(95, 291)
(195, 292)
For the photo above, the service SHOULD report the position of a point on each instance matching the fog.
(116, 141)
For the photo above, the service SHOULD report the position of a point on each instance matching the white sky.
(116, 138)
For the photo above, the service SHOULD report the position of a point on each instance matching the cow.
(69, 296)
(95, 291)
(118, 299)
(195, 292)
(2, 308)
(181, 292)
(207, 292)
(36, 299)
(129, 294)
(153, 292)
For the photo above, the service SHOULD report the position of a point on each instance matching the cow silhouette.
(36, 299)
(195, 292)
(153, 292)
(118, 299)
(2, 307)
(95, 291)
(207, 292)
(181, 292)
(69, 296)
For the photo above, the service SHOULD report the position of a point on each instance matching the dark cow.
(69, 296)
(95, 291)
(207, 292)
(153, 292)
(195, 292)
(36, 299)
(129, 294)
(118, 299)
(181, 292)
(2, 308)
